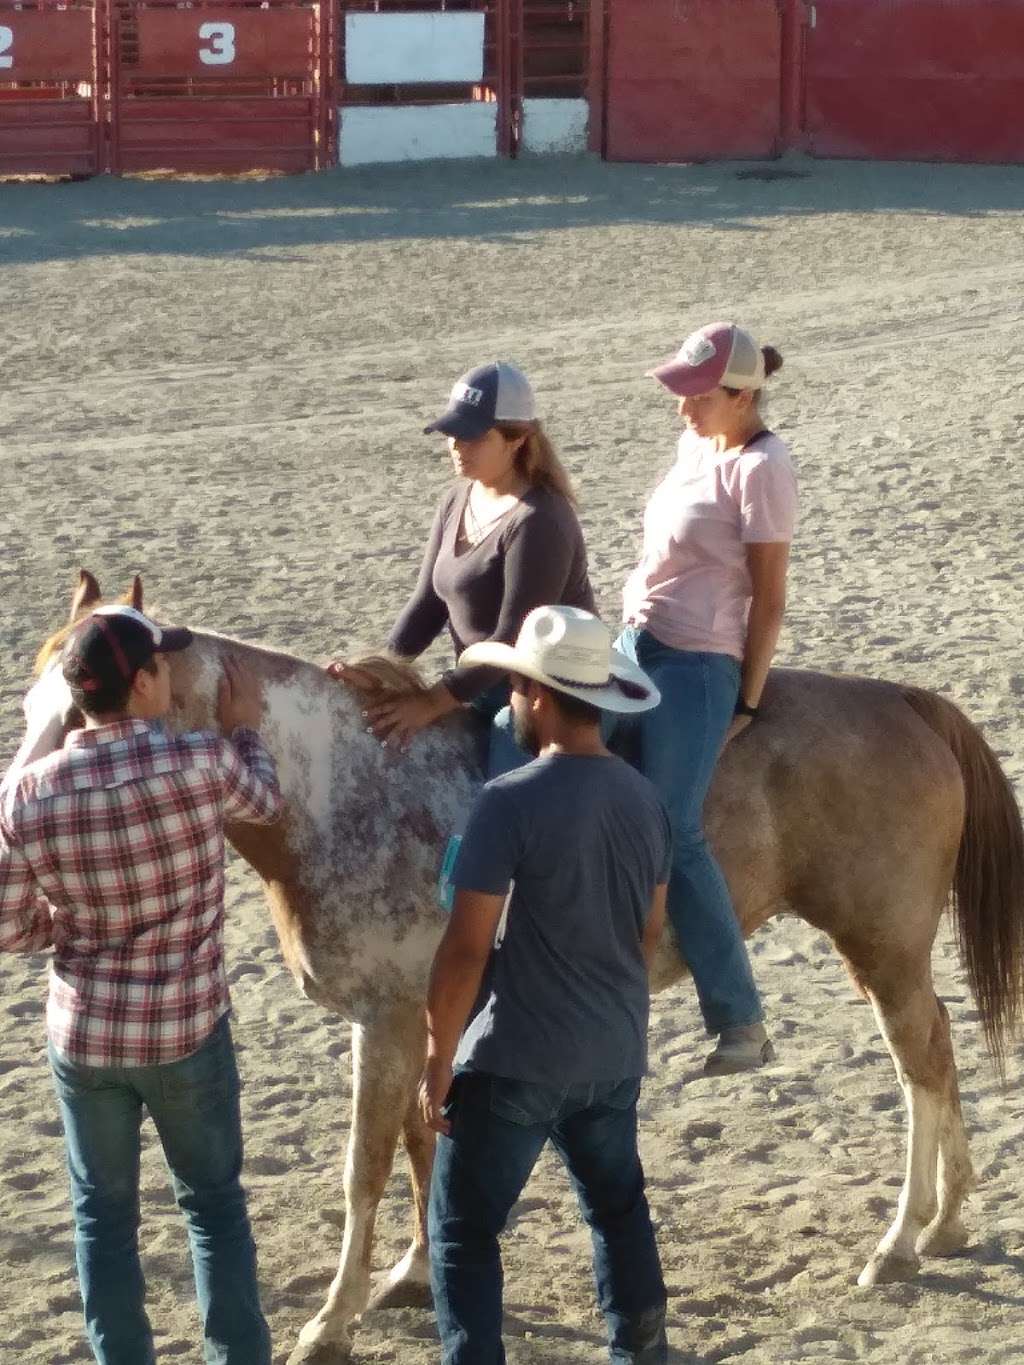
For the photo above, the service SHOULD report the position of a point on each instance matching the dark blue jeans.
(194, 1103)
(679, 743)
(499, 1127)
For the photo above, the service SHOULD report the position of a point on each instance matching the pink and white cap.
(721, 354)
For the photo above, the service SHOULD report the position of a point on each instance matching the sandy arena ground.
(222, 385)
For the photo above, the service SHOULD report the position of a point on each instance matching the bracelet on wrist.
(743, 708)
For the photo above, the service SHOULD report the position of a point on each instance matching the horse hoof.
(888, 1268)
(402, 1294)
(943, 1239)
(321, 1353)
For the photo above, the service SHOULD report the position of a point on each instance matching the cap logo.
(697, 350)
(462, 393)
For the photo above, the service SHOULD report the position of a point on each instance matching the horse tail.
(988, 885)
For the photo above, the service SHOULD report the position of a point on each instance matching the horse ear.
(86, 593)
(136, 596)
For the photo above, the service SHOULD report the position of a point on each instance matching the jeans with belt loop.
(679, 744)
(499, 1127)
(194, 1103)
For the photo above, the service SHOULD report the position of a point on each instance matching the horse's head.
(50, 711)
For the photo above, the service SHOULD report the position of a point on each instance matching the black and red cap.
(109, 647)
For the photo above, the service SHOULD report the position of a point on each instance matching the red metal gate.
(221, 86)
(50, 88)
(692, 80)
(923, 80)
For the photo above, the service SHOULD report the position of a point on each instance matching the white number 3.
(6, 43)
(221, 51)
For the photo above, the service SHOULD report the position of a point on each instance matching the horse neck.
(305, 716)
(350, 805)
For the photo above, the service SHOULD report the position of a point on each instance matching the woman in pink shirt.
(703, 611)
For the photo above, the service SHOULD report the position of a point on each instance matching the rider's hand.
(356, 677)
(395, 720)
(434, 1087)
(239, 698)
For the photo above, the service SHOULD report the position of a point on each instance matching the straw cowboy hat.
(570, 651)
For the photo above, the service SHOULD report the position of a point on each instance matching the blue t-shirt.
(565, 997)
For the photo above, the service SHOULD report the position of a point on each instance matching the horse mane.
(51, 647)
(387, 674)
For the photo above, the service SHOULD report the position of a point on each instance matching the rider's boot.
(740, 1049)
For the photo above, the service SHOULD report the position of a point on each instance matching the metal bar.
(597, 53)
(517, 38)
(113, 65)
(791, 132)
(503, 74)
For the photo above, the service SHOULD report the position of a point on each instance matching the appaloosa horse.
(860, 806)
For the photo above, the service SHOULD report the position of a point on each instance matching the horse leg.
(407, 1285)
(916, 1028)
(387, 1058)
(946, 1233)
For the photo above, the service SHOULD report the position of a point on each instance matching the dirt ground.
(222, 386)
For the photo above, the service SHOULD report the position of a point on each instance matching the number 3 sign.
(221, 38)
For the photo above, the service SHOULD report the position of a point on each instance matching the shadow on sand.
(492, 200)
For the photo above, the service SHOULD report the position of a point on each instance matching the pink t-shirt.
(691, 589)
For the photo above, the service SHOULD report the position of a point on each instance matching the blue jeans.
(503, 753)
(678, 745)
(194, 1103)
(499, 1127)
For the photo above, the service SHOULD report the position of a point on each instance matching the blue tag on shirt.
(445, 887)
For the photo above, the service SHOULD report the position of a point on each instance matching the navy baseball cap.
(110, 646)
(484, 397)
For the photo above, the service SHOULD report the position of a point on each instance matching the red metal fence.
(222, 85)
(929, 80)
(695, 80)
(50, 87)
(692, 79)
(133, 85)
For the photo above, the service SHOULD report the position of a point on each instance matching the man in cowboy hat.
(542, 1035)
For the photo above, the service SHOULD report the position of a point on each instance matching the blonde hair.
(536, 459)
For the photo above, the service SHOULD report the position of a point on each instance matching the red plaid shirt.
(112, 851)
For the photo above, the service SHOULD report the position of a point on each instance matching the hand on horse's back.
(359, 678)
(239, 698)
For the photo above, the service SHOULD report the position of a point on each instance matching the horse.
(861, 806)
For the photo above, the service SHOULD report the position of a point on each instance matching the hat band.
(628, 689)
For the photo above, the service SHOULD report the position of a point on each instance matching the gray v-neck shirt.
(533, 557)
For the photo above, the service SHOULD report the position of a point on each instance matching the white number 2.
(221, 51)
(6, 43)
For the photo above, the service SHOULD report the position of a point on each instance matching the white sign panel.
(412, 49)
(423, 132)
(554, 127)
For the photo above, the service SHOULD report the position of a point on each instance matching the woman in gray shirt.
(505, 539)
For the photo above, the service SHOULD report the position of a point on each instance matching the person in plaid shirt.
(112, 852)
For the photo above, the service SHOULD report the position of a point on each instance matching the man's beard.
(525, 734)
